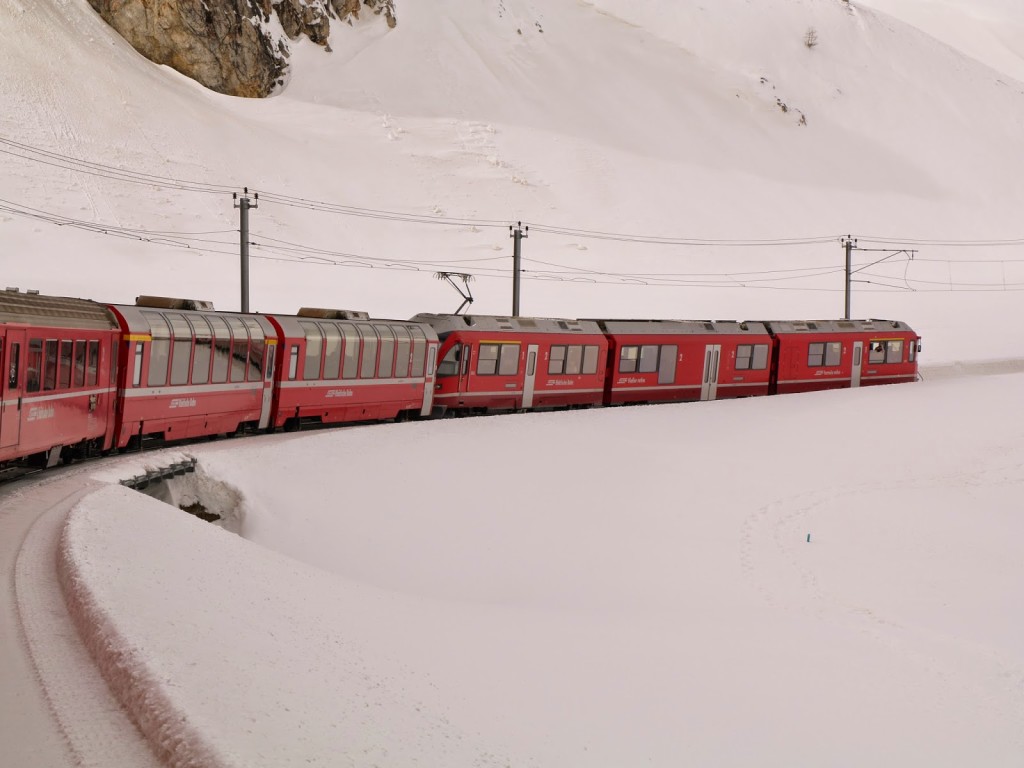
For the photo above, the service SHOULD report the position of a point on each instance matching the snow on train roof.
(54, 311)
(492, 323)
(835, 326)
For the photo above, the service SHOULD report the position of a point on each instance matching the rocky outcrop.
(229, 45)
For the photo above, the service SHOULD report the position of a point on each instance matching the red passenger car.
(654, 361)
(188, 371)
(340, 366)
(833, 354)
(511, 363)
(57, 385)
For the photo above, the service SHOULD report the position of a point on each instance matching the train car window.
(370, 344)
(79, 380)
(204, 349)
(876, 353)
(67, 360)
(574, 359)
(221, 349)
(350, 368)
(332, 350)
(911, 350)
(556, 360)
(50, 372)
(487, 360)
(894, 351)
(293, 362)
(450, 364)
(760, 361)
(833, 353)
(386, 367)
(419, 351)
(744, 355)
(467, 353)
(239, 349)
(14, 367)
(667, 364)
(403, 345)
(816, 354)
(314, 351)
(257, 348)
(590, 356)
(508, 364)
(35, 365)
(181, 349)
(159, 349)
(628, 359)
(137, 374)
(648, 358)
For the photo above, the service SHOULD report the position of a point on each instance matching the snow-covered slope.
(654, 119)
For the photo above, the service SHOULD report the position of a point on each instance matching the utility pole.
(517, 233)
(244, 204)
(849, 244)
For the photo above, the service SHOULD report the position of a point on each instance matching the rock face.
(229, 45)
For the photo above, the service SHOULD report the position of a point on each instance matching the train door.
(428, 385)
(531, 375)
(11, 352)
(858, 354)
(709, 384)
(268, 382)
(464, 370)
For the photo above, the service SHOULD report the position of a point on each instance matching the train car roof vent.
(709, 326)
(744, 327)
(165, 302)
(469, 320)
(333, 314)
(812, 326)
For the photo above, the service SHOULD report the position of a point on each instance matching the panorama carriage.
(340, 366)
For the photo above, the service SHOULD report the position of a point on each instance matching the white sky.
(624, 587)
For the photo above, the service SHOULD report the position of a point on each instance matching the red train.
(84, 378)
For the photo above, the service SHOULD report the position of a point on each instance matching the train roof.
(137, 322)
(445, 324)
(835, 326)
(54, 311)
(290, 323)
(682, 327)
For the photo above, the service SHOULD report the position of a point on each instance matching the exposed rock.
(228, 45)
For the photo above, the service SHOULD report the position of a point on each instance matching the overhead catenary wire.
(303, 254)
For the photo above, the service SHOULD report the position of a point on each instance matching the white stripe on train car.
(175, 390)
(334, 383)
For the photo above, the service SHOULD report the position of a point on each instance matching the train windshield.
(450, 364)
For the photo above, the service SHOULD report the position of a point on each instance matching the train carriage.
(341, 366)
(652, 361)
(57, 387)
(491, 363)
(835, 354)
(189, 371)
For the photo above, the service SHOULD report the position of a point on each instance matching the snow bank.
(227, 654)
